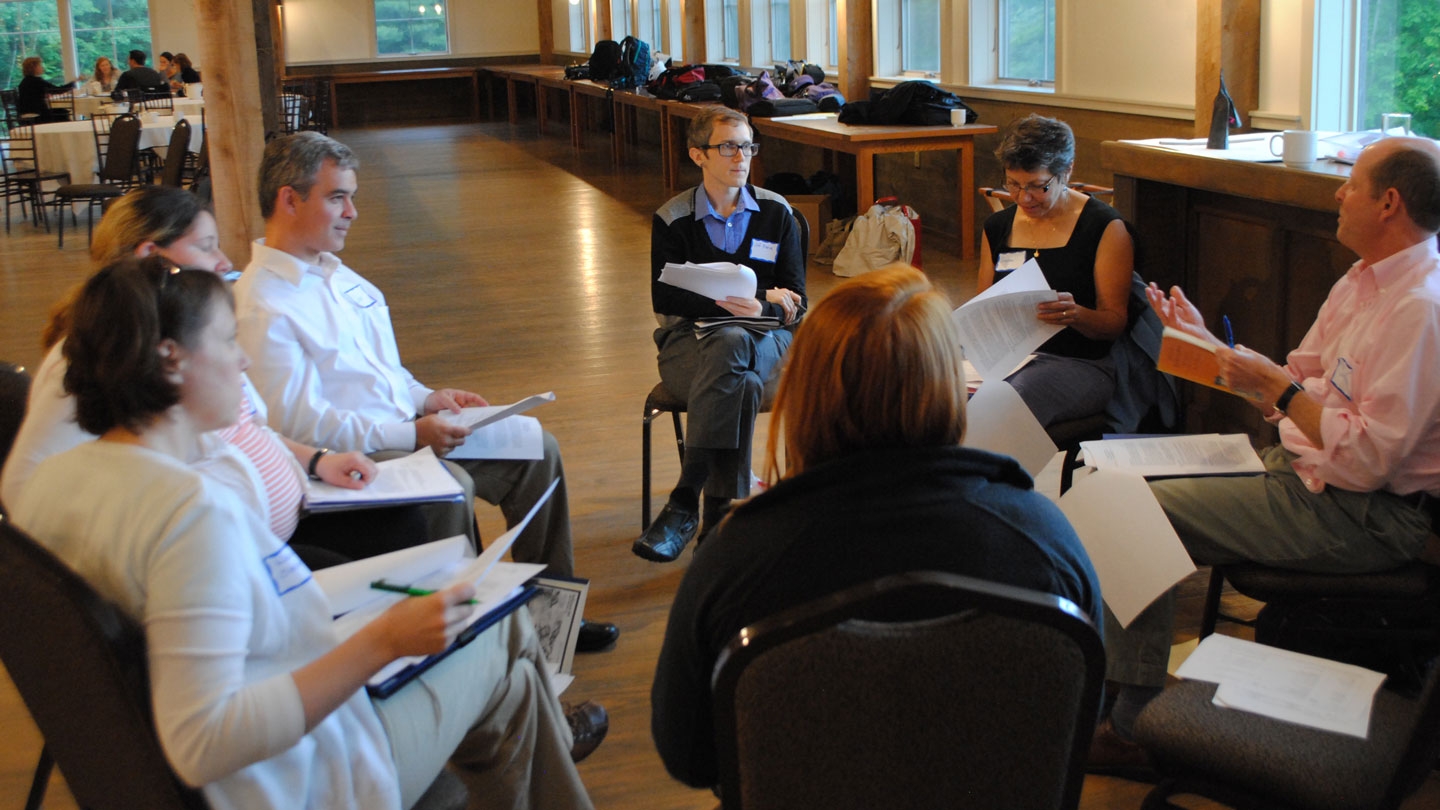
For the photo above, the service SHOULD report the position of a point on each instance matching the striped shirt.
(280, 473)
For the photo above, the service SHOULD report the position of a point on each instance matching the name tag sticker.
(1340, 377)
(761, 250)
(287, 572)
(359, 297)
(1010, 260)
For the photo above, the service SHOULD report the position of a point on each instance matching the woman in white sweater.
(255, 698)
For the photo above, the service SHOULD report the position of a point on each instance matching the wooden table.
(516, 76)
(628, 104)
(865, 142)
(1254, 242)
(544, 83)
(409, 75)
(580, 112)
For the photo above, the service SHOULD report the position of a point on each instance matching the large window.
(730, 30)
(29, 28)
(95, 28)
(920, 36)
(409, 27)
(619, 19)
(1399, 65)
(1026, 41)
(780, 30)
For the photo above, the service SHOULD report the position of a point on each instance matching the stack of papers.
(499, 432)
(416, 478)
(998, 327)
(1289, 686)
(715, 280)
(1162, 456)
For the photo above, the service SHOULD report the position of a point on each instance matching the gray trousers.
(722, 380)
(1058, 389)
(1270, 519)
(489, 710)
(514, 486)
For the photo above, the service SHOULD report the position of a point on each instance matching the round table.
(69, 146)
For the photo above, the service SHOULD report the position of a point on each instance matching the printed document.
(1135, 551)
(480, 417)
(998, 327)
(416, 478)
(1285, 685)
(1161, 456)
(514, 437)
(997, 420)
(714, 280)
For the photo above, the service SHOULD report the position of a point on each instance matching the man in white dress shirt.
(324, 357)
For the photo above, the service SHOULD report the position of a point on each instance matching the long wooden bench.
(402, 95)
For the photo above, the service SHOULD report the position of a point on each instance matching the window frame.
(1002, 43)
(426, 5)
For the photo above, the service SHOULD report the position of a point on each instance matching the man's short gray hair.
(294, 161)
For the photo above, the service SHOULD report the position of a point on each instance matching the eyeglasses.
(1033, 189)
(728, 149)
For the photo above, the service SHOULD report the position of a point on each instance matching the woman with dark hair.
(32, 96)
(870, 413)
(1087, 256)
(255, 698)
(186, 73)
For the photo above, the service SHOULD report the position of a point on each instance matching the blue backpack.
(634, 68)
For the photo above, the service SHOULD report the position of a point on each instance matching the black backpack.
(634, 68)
(605, 60)
(915, 103)
(699, 91)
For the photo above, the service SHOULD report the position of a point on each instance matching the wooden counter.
(1254, 241)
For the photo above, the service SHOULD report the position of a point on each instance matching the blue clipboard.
(392, 684)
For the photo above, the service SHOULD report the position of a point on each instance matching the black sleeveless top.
(1070, 268)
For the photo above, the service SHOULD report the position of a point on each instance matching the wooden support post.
(1227, 37)
(693, 40)
(856, 24)
(235, 136)
(547, 31)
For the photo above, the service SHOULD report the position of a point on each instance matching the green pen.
(382, 585)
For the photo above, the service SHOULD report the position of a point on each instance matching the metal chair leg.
(40, 781)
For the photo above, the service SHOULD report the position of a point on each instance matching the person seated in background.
(1087, 256)
(870, 415)
(721, 378)
(185, 72)
(1351, 486)
(102, 82)
(175, 224)
(32, 96)
(138, 77)
(256, 701)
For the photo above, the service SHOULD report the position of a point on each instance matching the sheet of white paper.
(996, 419)
(559, 680)
(1157, 456)
(1135, 551)
(486, 562)
(1286, 685)
(998, 327)
(974, 379)
(714, 280)
(475, 417)
(348, 586)
(514, 437)
(503, 583)
(418, 476)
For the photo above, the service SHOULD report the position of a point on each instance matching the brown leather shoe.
(588, 723)
(1111, 754)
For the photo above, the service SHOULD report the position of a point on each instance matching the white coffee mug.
(957, 118)
(1299, 147)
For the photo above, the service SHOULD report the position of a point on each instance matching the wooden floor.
(513, 266)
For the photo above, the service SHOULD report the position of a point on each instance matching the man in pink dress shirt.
(1358, 409)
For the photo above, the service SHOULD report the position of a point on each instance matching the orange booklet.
(1190, 358)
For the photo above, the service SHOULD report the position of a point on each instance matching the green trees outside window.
(408, 27)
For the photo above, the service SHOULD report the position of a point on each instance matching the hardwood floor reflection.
(512, 266)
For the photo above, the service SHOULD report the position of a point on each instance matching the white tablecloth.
(69, 146)
(89, 105)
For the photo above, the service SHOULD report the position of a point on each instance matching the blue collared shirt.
(725, 234)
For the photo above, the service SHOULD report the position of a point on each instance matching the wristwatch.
(1283, 403)
(315, 460)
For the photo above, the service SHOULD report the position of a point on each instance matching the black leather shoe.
(588, 723)
(595, 636)
(667, 536)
